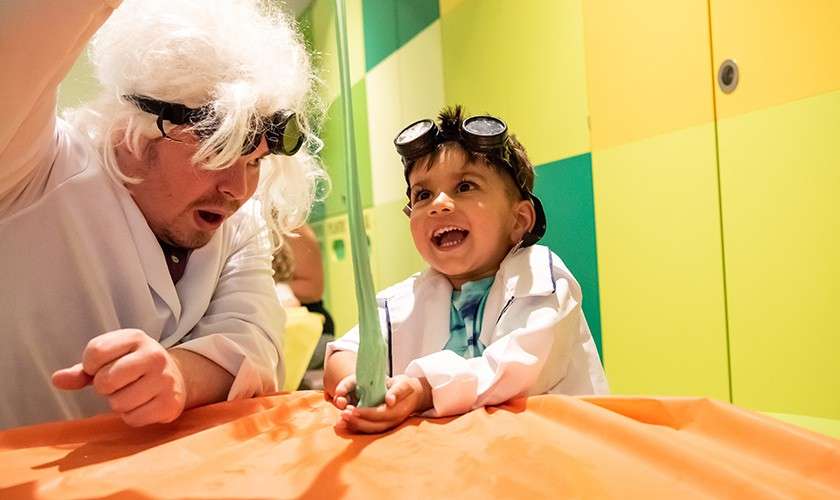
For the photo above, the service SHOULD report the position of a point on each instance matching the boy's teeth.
(449, 236)
(446, 229)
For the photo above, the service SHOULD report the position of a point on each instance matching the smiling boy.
(495, 316)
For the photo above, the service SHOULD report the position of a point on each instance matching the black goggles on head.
(483, 134)
(282, 131)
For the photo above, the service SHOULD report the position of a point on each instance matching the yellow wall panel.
(384, 121)
(660, 268)
(524, 62)
(406, 86)
(655, 183)
(781, 211)
(396, 256)
(447, 6)
(785, 49)
(648, 68)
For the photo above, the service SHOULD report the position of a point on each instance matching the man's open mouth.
(210, 217)
(449, 236)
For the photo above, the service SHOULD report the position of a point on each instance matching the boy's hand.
(405, 397)
(345, 392)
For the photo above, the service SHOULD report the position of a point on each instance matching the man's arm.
(242, 326)
(39, 42)
(205, 382)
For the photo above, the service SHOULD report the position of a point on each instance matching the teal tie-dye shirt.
(465, 318)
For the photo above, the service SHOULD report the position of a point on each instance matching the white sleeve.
(350, 340)
(347, 342)
(39, 42)
(530, 359)
(242, 327)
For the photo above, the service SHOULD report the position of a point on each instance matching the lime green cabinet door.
(654, 170)
(779, 153)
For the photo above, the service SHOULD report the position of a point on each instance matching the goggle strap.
(179, 114)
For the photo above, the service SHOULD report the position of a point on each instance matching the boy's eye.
(464, 186)
(420, 195)
(255, 163)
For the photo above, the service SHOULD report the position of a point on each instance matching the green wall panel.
(380, 26)
(389, 24)
(334, 155)
(413, 16)
(565, 189)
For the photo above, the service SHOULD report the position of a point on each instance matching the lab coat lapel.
(524, 272)
(435, 310)
(197, 286)
(149, 253)
(418, 314)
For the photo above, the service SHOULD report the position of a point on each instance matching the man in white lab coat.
(134, 271)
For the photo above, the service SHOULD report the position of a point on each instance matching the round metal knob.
(728, 76)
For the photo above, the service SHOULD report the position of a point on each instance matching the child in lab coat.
(495, 316)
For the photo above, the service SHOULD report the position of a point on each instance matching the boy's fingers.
(340, 402)
(367, 427)
(399, 392)
(345, 387)
(381, 413)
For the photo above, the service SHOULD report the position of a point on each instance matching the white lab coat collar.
(149, 252)
(424, 302)
(527, 272)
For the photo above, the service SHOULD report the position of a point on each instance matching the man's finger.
(158, 410)
(109, 347)
(118, 374)
(134, 395)
(71, 379)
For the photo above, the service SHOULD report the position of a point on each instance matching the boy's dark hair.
(513, 152)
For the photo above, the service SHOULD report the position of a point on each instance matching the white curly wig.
(242, 59)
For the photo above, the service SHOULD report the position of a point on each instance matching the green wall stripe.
(413, 16)
(565, 189)
(380, 28)
(333, 155)
(389, 24)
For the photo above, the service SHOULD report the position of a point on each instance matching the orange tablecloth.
(547, 446)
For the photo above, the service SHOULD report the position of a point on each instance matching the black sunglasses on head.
(282, 131)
